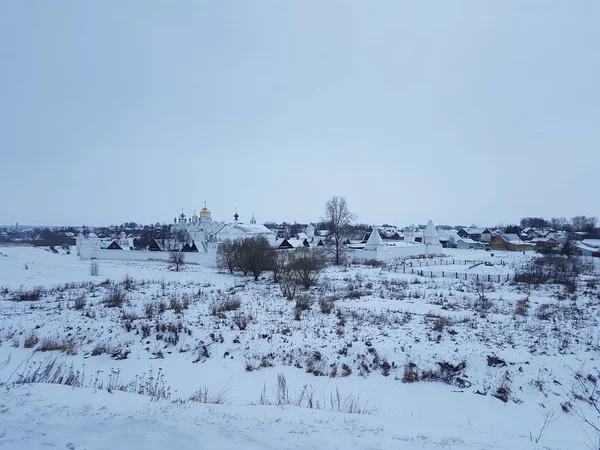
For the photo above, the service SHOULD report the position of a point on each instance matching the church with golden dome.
(207, 233)
(200, 228)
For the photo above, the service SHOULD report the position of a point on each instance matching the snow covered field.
(400, 361)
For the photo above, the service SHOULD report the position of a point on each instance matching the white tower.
(430, 235)
(374, 242)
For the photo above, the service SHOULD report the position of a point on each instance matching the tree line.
(586, 224)
(255, 256)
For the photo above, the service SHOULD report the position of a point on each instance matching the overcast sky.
(463, 112)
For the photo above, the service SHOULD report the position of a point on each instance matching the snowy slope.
(378, 318)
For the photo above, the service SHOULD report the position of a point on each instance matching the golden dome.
(205, 210)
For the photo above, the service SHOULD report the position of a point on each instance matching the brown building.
(510, 242)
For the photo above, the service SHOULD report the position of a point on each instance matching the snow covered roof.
(278, 242)
(448, 234)
(543, 239)
(296, 243)
(374, 240)
(476, 230)
(430, 231)
(512, 238)
(593, 243)
(252, 228)
(468, 241)
(590, 245)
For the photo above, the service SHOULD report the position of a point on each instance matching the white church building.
(203, 238)
(205, 232)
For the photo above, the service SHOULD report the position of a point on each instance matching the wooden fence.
(415, 267)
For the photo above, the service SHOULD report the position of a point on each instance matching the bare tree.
(279, 259)
(338, 218)
(177, 259)
(181, 236)
(307, 264)
(227, 255)
(288, 282)
(254, 256)
(586, 390)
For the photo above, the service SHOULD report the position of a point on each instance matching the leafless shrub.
(502, 393)
(303, 302)
(203, 353)
(52, 372)
(101, 349)
(334, 369)
(29, 296)
(307, 264)
(149, 310)
(546, 311)
(385, 369)
(256, 362)
(448, 373)
(349, 404)
(241, 321)
(494, 361)
(586, 389)
(307, 398)
(145, 328)
(440, 323)
(549, 416)
(31, 340)
(79, 303)
(129, 316)
(63, 345)
(354, 294)
(288, 283)
(482, 304)
(411, 373)
(115, 298)
(522, 308)
(128, 283)
(179, 305)
(346, 370)
(326, 305)
(202, 396)
(227, 304)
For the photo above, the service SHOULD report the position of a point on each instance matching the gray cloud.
(463, 112)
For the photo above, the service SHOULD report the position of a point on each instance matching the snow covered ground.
(179, 332)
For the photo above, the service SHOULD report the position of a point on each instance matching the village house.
(544, 243)
(510, 242)
(589, 247)
(469, 244)
(477, 234)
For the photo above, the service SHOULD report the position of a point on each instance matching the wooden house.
(510, 242)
